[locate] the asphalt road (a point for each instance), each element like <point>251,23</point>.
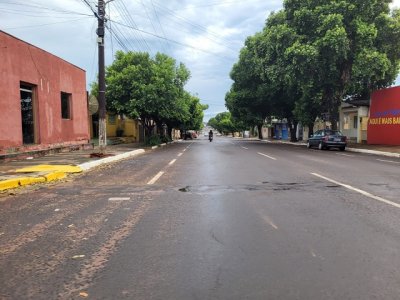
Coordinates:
<point>231,219</point>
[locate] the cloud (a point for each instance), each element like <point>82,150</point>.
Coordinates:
<point>205,35</point>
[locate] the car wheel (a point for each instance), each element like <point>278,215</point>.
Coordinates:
<point>308,145</point>
<point>320,146</point>
<point>342,148</point>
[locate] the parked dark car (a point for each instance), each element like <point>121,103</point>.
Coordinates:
<point>327,138</point>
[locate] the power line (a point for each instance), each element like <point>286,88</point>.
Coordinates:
<point>46,24</point>
<point>118,37</point>
<point>91,8</point>
<point>38,8</point>
<point>126,17</point>
<point>199,28</point>
<point>219,3</point>
<point>151,22</point>
<point>111,39</point>
<point>172,41</point>
<point>158,20</point>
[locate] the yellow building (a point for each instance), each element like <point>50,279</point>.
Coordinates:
<point>117,126</point>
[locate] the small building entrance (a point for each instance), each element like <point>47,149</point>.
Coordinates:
<point>27,115</point>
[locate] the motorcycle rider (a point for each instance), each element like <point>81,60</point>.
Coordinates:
<point>210,135</point>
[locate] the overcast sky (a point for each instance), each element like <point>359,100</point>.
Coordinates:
<point>206,35</point>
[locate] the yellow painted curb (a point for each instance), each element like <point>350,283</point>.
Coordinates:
<point>55,168</point>
<point>9,184</point>
<point>55,176</point>
<point>31,180</point>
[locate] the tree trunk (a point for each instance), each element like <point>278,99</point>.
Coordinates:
<point>169,132</point>
<point>293,131</point>
<point>259,128</point>
<point>310,129</point>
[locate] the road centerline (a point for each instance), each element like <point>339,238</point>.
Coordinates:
<point>270,157</point>
<point>155,178</point>
<point>119,198</point>
<point>172,162</point>
<point>369,195</point>
<point>269,222</point>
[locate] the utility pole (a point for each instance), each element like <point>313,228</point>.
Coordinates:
<point>101,13</point>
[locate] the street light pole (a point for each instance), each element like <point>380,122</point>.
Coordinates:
<point>102,82</point>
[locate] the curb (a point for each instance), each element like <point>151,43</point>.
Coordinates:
<point>374,152</point>
<point>60,172</point>
<point>22,181</point>
<point>92,164</point>
<point>55,176</point>
<point>9,184</point>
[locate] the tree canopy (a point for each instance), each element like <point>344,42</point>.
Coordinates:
<point>225,123</point>
<point>152,90</point>
<point>311,55</point>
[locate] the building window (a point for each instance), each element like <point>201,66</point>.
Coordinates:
<point>355,121</point>
<point>65,105</point>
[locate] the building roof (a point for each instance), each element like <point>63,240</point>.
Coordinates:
<point>357,100</point>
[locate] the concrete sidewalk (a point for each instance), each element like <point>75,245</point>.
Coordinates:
<point>17,173</point>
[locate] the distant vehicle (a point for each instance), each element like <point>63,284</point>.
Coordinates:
<point>187,135</point>
<point>190,135</point>
<point>327,138</point>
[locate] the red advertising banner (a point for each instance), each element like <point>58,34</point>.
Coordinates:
<point>384,119</point>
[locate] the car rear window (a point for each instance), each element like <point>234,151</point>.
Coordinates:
<point>333,132</point>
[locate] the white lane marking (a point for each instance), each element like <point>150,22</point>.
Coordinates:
<point>315,254</point>
<point>245,148</point>
<point>343,154</point>
<point>172,162</point>
<point>184,150</point>
<point>389,161</point>
<point>180,154</point>
<point>119,198</point>
<point>269,221</point>
<point>270,157</point>
<point>232,143</point>
<point>358,191</point>
<point>155,178</point>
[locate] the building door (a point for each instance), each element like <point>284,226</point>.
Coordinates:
<point>28,125</point>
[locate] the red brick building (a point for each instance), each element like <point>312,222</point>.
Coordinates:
<point>43,99</point>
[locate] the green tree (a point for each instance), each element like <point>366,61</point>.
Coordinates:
<point>279,83</point>
<point>248,100</point>
<point>150,89</point>
<point>225,123</point>
<point>342,47</point>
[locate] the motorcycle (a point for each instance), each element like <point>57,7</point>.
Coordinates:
<point>210,137</point>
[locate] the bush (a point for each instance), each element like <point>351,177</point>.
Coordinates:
<point>166,139</point>
<point>153,140</point>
